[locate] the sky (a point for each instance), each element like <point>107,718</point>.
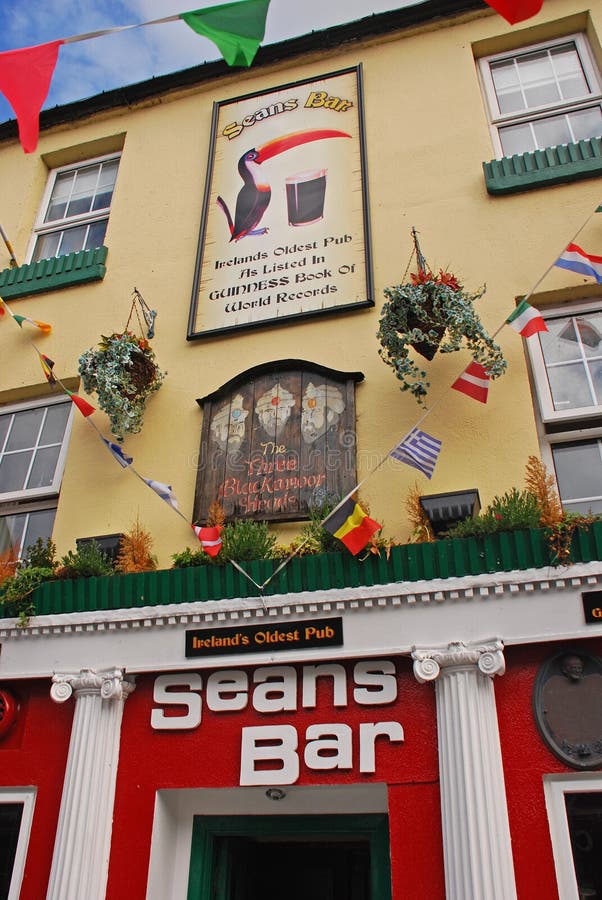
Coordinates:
<point>88,67</point>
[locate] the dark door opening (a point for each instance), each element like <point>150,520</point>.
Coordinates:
<point>296,870</point>
<point>342,857</point>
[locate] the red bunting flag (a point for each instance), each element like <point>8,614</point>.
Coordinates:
<point>210,538</point>
<point>515,11</point>
<point>83,405</point>
<point>474,381</point>
<point>25,77</point>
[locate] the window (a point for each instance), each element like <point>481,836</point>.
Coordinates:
<point>574,805</point>
<point>567,368</point>
<point>543,96</point>
<point>75,209</point>
<point>33,445</point>
<point>16,811</point>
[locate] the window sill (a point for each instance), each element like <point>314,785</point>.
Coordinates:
<point>53,274</point>
<point>554,165</point>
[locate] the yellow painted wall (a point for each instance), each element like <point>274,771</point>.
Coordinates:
<point>426,136</point>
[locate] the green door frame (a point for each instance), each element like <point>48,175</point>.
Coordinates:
<point>205,864</point>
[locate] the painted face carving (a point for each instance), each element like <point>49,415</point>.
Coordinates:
<point>228,424</point>
<point>321,407</point>
<point>273,410</point>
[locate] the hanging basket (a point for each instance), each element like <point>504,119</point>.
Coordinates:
<point>123,372</point>
<point>432,313</point>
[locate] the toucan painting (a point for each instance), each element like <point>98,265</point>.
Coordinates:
<point>254,196</point>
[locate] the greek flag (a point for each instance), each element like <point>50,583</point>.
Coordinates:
<point>163,490</point>
<point>122,458</point>
<point>419,450</point>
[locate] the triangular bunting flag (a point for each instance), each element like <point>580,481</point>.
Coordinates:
<point>526,320</point>
<point>350,524</point>
<point>419,450</point>
<point>236,29</point>
<point>210,538</point>
<point>474,382</point>
<point>515,11</point>
<point>164,491</point>
<point>41,325</point>
<point>120,455</point>
<point>25,77</point>
<point>48,366</point>
<point>577,260</point>
<point>83,405</point>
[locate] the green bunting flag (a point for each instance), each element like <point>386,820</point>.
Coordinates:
<point>236,29</point>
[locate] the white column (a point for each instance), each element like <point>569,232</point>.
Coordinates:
<point>83,839</point>
<point>476,836</point>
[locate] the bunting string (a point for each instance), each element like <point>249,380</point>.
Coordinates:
<point>425,465</point>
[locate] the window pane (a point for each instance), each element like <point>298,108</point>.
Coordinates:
<point>13,471</point>
<point>25,429</point>
<point>44,467</point>
<point>561,342</point>
<point>47,246</point>
<point>586,123</point>
<point>96,234</point>
<point>590,333</point>
<point>73,239</point>
<point>55,424</point>
<point>4,426</point>
<point>569,387</point>
<point>517,139</point>
<point>505,80</point>
<point>83,192</point>
<point>10,823</point>
<point>579,474</point>
<point>569,70</point>
<point>552,131</point>
<point>584,813</point>
<point>106,184</point>
<point>11,532</point>
<point>39,525</point>
<point>60,196</point>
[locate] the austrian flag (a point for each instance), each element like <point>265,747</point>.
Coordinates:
<point>210,538</point>
<point>474,381</point>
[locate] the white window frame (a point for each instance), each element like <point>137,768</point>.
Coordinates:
<point>555,787</point>
<point>579,415</point>
<point>498,120</point>
<point>41,227</point>
<point>48,490</point>
<point>26,796</point>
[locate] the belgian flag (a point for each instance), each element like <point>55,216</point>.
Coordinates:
<point>350,524</point>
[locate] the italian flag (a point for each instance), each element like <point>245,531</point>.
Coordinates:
<point>526,320</point>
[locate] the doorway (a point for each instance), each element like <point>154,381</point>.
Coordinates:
<point>342,857</point>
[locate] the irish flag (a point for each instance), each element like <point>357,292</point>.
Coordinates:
<point>526,320</point>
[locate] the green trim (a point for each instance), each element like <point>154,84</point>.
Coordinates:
<point>503,552</point>
<point>554,165</point>
<point>209,858</point>
<point>53,274</point>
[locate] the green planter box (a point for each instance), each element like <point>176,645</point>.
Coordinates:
<point>503,552</point>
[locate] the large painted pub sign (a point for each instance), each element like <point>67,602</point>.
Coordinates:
<point>284,230</point>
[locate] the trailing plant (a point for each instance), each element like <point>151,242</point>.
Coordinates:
<point>16,591</point>
<point>85,562</point>
<point>135,551</point>
<point>124,374</point>
<point>560,536</point>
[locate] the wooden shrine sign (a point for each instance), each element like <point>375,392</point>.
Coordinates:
<point>276,440</point>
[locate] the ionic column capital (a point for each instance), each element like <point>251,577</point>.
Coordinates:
<point>109,684</point>
<point>430,663</point>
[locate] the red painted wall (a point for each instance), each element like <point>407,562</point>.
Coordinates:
<point>35,753</point>
<point>526,760</point>
<point>209,756</point>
